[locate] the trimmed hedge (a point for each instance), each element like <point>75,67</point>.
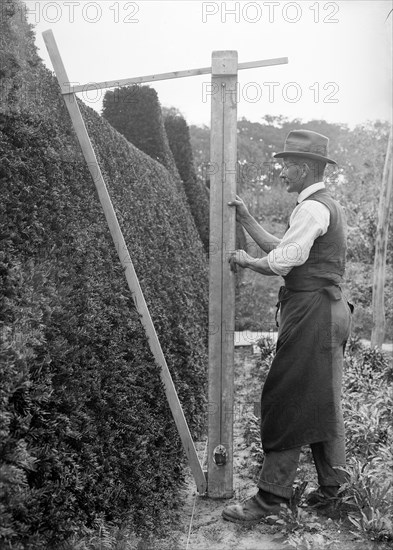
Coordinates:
<point>86,431</point>
<point>178,134</point>
<point>135,112</point>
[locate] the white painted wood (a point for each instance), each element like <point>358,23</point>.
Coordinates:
<point>249,337</point>
<point>263,63</point>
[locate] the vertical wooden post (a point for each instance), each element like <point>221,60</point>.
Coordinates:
<point>125,259</point>
<point>223,159</point>
<point>381,243</point>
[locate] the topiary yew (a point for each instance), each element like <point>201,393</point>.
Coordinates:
<point>86,428</point>
<point>179,141</point>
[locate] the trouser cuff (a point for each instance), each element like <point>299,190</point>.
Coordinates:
<point>279,490</point>
<point>338,477</point>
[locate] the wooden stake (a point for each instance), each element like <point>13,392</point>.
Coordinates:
<point>223,160</point>
<point>125,259</point>
<point>381,243</point>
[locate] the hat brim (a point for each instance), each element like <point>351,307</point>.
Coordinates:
<point>313,156</point>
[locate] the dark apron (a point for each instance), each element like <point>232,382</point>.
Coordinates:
<point>301,398</point>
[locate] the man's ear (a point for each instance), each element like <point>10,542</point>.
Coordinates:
<point>305,169</point>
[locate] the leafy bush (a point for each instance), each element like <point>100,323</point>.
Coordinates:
<point>372,493</point>
<point>135,112</point>
<point>361,237</point>
<point>368,413</point>
<point>179,141</point>
<point>357,286</point>
<point>87,433</point>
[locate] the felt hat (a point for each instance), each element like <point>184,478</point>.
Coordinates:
<point>306,144</point>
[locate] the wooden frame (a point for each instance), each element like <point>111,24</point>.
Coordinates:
<point>222,239</point>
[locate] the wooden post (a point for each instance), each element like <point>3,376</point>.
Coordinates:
<point>381,243</point>
<point>223,166</point>
<point>125,259</point>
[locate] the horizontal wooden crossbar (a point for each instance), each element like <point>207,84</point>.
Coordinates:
<point>66,87</point>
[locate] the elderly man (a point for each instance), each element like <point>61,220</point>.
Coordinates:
<point>301,398</point>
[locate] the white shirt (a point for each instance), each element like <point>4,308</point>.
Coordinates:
<point>309,220</point>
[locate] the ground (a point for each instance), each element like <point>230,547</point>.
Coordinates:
<point>199,524</point>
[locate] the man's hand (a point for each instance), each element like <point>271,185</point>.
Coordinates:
<point>238,258</point>
<point>242,259</point>
<point>241,209</point>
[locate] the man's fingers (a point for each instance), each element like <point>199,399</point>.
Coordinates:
<point>232,263</point>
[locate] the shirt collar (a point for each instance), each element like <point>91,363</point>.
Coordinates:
<point>310,190</point>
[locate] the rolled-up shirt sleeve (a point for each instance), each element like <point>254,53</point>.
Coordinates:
<point>309,220</point>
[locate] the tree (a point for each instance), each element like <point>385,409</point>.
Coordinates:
<point>381,243</point>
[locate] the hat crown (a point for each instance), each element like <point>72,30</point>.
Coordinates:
<point>306,141</point>
<point>306,144</point>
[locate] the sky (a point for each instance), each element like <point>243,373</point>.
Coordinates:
<point>340,53</point>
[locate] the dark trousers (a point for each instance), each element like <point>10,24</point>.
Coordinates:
<point>279,467</point>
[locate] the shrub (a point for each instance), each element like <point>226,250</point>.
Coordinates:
<point>135,112</point>
<point>368,414</point>
<point>179,141</point>
<point>87,434</point>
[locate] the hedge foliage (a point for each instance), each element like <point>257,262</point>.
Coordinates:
<point>86,431</point>
<point>178,134</point>
<point>135,112</point>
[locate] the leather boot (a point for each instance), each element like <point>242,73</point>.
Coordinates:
<point>255,509</point>
<point>323,496</point>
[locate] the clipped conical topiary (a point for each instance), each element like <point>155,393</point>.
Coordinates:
<point>135,112</point>
<point>86,430</point>
<point>178,134</point>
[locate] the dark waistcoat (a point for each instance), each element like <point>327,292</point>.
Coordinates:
<point>326,262</point>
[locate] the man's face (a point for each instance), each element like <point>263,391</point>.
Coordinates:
<point>292,175</point>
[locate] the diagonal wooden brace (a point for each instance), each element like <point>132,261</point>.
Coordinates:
<point>125,259</point>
